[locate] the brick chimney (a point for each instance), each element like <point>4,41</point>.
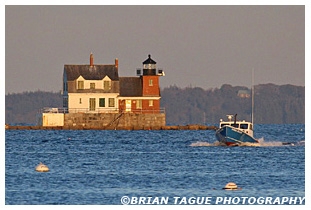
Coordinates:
<point>91,60</point>
<point>116,61</point>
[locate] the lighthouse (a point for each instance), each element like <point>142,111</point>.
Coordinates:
<point>150,78</point>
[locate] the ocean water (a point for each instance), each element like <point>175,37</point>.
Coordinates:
<point>101,167</point>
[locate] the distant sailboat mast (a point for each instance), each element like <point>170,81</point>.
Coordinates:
<point>253,96</point>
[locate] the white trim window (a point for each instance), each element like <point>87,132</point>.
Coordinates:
<point>80,85</point>
<point>139,104</point>
<point>101,102</point>
<point>92,104</point>
<point>107,85</point>
<point>150,82</point>
<point>111,102</point>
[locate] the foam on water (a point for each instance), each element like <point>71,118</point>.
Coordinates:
<point>206,144</point>
<point>264,143</point>
<point>261,143</point>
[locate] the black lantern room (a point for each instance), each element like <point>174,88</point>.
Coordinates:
<point>149,66</point>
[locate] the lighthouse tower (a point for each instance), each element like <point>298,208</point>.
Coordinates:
<point>150,78</point>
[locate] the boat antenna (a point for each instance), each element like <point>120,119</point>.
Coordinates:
<point>235,119</point>
<point>253,97</point>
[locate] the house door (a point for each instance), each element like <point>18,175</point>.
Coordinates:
<point>128,104</point>
<point>92,104</point>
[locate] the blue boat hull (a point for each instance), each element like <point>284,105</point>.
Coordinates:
<point>231,136</point>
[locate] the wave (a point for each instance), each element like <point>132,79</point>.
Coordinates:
<point>264,143</point>
<point>206,144</point>
<point>261,143</point>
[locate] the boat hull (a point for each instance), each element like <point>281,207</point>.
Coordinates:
<point>232,136</point>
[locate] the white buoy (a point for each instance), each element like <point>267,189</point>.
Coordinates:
<point>42,168</point>
<point>231,186</point>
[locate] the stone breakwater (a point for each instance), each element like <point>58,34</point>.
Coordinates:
<point>79,127</point>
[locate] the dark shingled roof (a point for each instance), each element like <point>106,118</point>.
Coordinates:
<point>130,86</point>
<point>149,60</point>
<point>96,72</point>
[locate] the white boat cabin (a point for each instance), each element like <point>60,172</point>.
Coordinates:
<point>244,126</point>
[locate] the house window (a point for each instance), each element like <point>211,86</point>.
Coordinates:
<point>80,100</point>
<point>150,102</point>
<point>139,104</point>
<point>111,102</point>
<point>102,102</point>
<point>107,85</point>
<point>92,85</point>
<point>80,84</point>
<point>150,82</point>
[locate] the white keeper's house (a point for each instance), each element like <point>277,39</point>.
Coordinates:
<point>90,89</point>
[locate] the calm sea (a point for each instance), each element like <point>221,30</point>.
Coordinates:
<point>100,167</point>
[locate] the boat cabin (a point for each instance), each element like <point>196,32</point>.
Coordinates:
<point>242,125</point>
<point>246,127</point>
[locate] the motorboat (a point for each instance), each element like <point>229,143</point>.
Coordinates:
<point>235,133</point>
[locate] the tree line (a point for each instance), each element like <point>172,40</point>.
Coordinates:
<point>274,104</point>
<point>23,108</point>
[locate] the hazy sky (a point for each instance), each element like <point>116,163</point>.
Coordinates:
<point>202,46</point>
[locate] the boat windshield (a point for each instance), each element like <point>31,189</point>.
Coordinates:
<point>239,125</point>
<point>244,126</point>
<point>231,124</point>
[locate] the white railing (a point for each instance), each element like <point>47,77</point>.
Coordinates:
<point>100,110</point>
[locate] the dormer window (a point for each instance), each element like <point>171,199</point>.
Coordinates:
<point>107,85</point>
<point>92,85</point>
<point>80,85</point>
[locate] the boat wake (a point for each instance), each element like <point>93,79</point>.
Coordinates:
<point>206,144</point>
<point>261,143</point>
<point>264,143</point>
